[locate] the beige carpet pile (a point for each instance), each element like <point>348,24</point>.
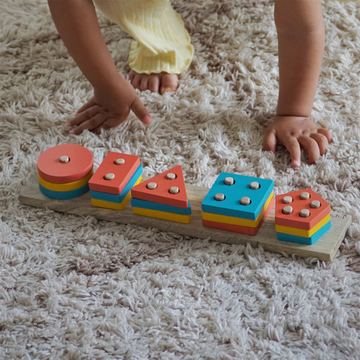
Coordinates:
<point>78,288</point>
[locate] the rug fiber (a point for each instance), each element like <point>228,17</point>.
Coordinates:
<point>78,288</point>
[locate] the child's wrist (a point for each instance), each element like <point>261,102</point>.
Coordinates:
<point>112,81</point>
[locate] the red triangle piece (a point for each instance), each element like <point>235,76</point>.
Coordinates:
<point>161,194</point>
<point>123,173</point>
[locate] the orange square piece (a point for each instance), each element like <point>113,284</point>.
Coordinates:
<point>114,173</point>
<point>294,219</point>
<point>160,191</point>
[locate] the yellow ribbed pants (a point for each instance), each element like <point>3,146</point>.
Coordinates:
<point>161,44</point>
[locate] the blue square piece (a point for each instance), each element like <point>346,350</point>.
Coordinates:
<point>233,193</point>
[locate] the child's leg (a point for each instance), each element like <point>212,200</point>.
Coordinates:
<point>162,45</point>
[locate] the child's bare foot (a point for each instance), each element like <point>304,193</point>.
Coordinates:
<point>162,82</point>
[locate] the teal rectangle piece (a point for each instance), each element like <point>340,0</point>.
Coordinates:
<point>160,207</point>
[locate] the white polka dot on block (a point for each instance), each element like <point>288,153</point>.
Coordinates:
<point>315,204</point>
<point>229,181</point>
<point>219,197</point>
<point>174,190</point>
<point>254,185</point>
<point>304,196</point>
<point>171,176</point>
<point>304,213</point>
<point>109,176</point>
<point>152,185</point>
<point>119,161</point>
<point>245,201</point>
<point>287,210</point>
<point>64,159</point>
<point>287,200</point>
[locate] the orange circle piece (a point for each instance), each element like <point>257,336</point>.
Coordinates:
<point>52,170</point>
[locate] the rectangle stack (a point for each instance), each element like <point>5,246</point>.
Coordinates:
<point>111,184</point>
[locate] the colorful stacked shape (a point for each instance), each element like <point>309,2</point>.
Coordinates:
<point>64,171</point>
<point>301,216</point>
<point>238,203</point>
<point>163,197</point>
<point>111,184</point>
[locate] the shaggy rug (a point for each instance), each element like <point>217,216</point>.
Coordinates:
<point>78,288</point>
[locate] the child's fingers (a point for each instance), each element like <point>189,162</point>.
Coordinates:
<point>326,133</point>
<point>139,109</point>
<point>90,124</point>
<point>311,147</point>
<point>84,116</point>
<point>269,143</point>
<point>105,126</point>
<point>87,105</point>
<point>322,141</point>
<point>293,146</point>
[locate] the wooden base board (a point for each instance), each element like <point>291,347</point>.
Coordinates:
<point>324,249</point>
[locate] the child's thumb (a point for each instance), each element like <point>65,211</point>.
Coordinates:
<point>269,143</point>
<point>139,109</point>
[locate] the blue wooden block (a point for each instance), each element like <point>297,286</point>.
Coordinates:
<point>233,193</point>
<point>64,195</point>
<point>118,198</point>
<point>304,240</point>
<point>160,207</point>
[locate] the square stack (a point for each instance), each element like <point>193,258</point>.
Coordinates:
<point>301,216</point>
<point>111,184</point>
<point>64,171</point>
<point>163,197</point>
<point>238,203</point>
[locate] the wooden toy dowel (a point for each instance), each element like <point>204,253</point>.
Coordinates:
<point>324,249</point>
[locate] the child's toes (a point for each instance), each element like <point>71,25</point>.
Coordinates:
<point>131,75</point>
<point>144,85</point>
<point>154,83</point>
<point>135,82</point>
<point>169,83</point>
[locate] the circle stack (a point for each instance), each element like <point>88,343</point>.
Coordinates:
<point>64,171</point>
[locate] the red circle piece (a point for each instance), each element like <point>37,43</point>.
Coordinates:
<point>51,169</point>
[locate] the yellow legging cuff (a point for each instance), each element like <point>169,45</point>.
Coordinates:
<point>161,44</point>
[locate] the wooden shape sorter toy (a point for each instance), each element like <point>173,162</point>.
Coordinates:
<point>163,197</point>
<point>111,184</point>
<point>238,203</point>
<point>301,216</point>
<point>64,171</point>
<point>323,249</point>
<point>252,213</point>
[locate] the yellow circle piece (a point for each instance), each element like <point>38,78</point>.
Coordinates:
<point>65,187</point>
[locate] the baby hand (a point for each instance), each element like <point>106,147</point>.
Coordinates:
<point>108,108</point>
<point>293,132</point>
